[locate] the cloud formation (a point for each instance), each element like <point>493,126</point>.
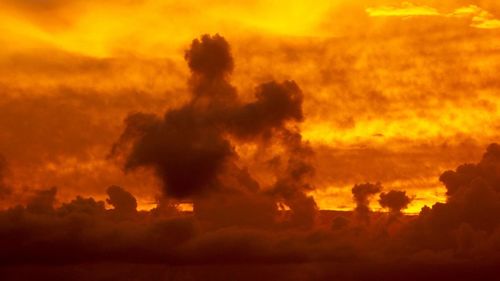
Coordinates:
<point>238,220</point>
<point>376,103</point>
<point>459,236</point>
<point>121,200</point>
<point>394,200</point>
<point>479,18</point>
<point>362,194</point>
<point>192,148</point>
<point>366,129</point>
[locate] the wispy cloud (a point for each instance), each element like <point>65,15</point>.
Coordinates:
<point>480,18</point>
<point>405,10</point>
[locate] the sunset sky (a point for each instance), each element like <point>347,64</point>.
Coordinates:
<point>395,92</point>
<point>386,93</point>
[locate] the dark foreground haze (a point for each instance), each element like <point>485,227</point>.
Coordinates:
<point>248,222</point>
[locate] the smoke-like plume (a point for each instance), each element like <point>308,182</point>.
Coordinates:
<point>123,201</point>
<point>210,58</point>
<point>362,194</point>
<point>394,200</point>
<point>192,147</point>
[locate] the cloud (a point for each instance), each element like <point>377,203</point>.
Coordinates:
<point>43,201</point>
<point>415,109</point>
<point>474,188</point>
<point>394,200</point>
<point>405,10</point>
<point>122,200</point>
<point>210,57</point>
<point>376,107</point>
<point>192,148</point>
<point>480,18</point>
<point>362,194</point>
<point>473,195</point>
<point>238,230</point>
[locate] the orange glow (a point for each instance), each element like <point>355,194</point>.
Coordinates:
<point>381,96</point>
<point>184,207</point>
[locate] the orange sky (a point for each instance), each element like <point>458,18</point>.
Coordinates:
<point>395,91</point>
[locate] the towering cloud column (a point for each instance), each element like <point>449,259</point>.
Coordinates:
<point>191,148</point>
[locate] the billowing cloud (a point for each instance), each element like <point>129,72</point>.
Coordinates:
<point>394,200</point>
<point>190,147</point>
<point>362,194</point>
<point>389,92</point>
<point>449,238</point>
<point>122,200</point>
<point>465,220</point>
<point>366,129</point>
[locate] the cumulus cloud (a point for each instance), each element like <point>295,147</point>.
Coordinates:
<point>473,196</point>
<point>122,200</point>
<point>191,148</point>
<point>95,93</point>
<point>394,200</point>
<point>362,194</point>
<point>453,237</point>
<point>210,57</point>
<point>473,190</point>
<point>194,150</point>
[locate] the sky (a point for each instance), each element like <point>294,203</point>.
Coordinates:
<point>290,107</point>
<point>394,92</point>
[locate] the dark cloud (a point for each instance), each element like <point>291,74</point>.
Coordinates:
<point>276,103</point>
<point>122,200</point>
<point>468,221</point>
<point>43,201</point>
<point>394,200</point>
<point>210,57</point>
<point>186,152</point>
<point>293,183</point>
<point>362,194</point>
<point>474,189</point>
<point>237,229</point>
<point>191,149</point>
<point>87,207</point>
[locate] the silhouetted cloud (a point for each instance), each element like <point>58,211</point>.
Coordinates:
<point>362,194</point>
<point>195,148</point>
<point>43,201</point>
<point>237,228</point>
<point>473,198</point>
<point>122,200</point>
<point>394,200</point>
<point>190,147</point>
<point>210,57</point>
